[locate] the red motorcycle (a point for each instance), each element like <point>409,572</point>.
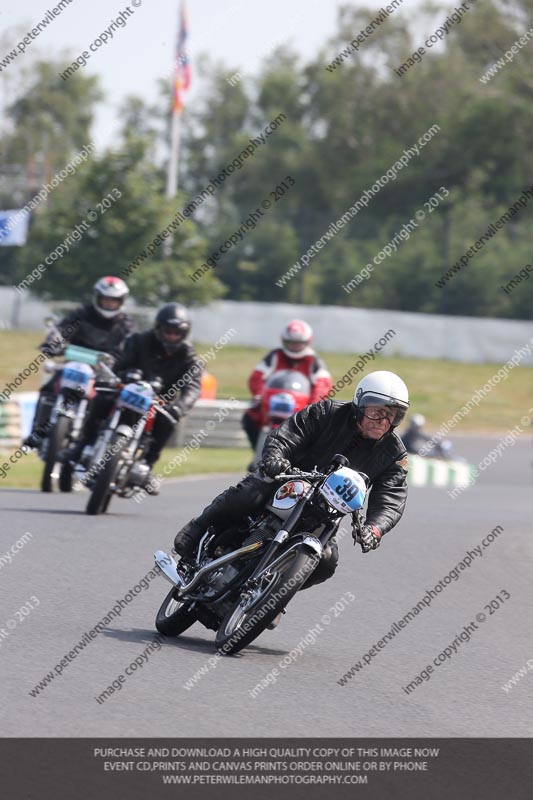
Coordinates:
<point>285,393</point>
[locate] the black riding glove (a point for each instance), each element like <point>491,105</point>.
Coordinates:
<point>274,466</point>
<point>369,538</point>
<point>51,349</point>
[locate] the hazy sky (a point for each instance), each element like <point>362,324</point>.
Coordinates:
<point>238,32</point>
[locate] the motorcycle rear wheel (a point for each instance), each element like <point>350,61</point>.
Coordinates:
<point>174,616</point>
<point>252,614</point>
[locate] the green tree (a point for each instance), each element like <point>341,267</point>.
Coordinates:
<point>127,182</point>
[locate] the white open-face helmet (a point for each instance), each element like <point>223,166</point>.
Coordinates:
<point>296,339</point>
<point>113,289</point>
<point>382,388</point>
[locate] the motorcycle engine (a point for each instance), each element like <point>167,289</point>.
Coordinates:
<point>265,527</point>
<point>219,579</point>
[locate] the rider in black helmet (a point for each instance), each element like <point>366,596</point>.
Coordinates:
<point>166,352</point>
<point>172,324</point>
<point>162,352</point>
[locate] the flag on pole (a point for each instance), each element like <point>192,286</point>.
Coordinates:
<point>182,67</point>
<point>14,227</point>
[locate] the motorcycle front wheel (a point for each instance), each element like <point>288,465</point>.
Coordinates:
<point>58,440</point>
<point>101,493</point>
<point>257,608</point>
<point>174,616</point>
<point>66,478</point>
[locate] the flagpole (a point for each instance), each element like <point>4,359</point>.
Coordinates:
<point>173,162</point>
<point>180,83</point>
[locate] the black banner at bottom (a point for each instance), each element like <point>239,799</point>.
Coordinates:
<point>149,769</point>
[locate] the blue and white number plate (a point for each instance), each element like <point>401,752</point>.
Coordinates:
<point>137,396</point>
<point>345,490</point>
<point>76,375</point>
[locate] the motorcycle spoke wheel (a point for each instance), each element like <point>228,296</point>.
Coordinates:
<point>256,608</point>
<point>175,616</point>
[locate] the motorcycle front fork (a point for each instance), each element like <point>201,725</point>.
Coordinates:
<point>130,451</point>
<point>78,417</point>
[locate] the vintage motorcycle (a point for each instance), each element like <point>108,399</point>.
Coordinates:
<point>114,466</point>
<point>74,391</point>
<point>239,591</point>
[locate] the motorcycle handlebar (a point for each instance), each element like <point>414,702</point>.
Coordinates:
<point>161,410</point>
<point>52,366</point>
<point>103,368</point>
<point>298,473</point>
<point>54,334</point>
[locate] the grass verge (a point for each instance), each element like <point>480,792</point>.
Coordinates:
<point>438,389</point>
<point>26,473</point>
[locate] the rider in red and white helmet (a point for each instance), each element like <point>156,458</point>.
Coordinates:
<point>296,353</point>
<point>296,339</point>
<point>99,325</point>
<point>109,296</point>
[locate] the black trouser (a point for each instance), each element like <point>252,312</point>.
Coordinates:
<point>100,409</point>
<point>251,428</point>
<point>248,496</point>
<point>161,432</point>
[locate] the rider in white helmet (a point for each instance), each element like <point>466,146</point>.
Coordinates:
<point>380,400</point>
<point>99,325</point>
<point>362,430</point>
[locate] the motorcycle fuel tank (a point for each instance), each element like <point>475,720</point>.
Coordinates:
<point>286,497</point>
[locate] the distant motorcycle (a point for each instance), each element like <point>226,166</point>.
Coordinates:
<point>114,465</point>
<point>237,591</point>
<point>74,391</point>
<point>286,392</point>
<point>419,443</point>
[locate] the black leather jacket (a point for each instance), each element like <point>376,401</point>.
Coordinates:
<point>144,351</point>
<point>85,327</point>
<point>315,434</point>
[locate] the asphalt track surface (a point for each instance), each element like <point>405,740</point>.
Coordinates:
<point>79,566</point>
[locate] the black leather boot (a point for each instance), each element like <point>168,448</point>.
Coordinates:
<point>188,538</point>
<point>227,508</point>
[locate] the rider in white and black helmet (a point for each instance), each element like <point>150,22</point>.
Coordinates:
<point>99,325</point>
<point>110,294</point>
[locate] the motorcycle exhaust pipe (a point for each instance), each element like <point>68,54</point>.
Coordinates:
<point>168,566</point>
